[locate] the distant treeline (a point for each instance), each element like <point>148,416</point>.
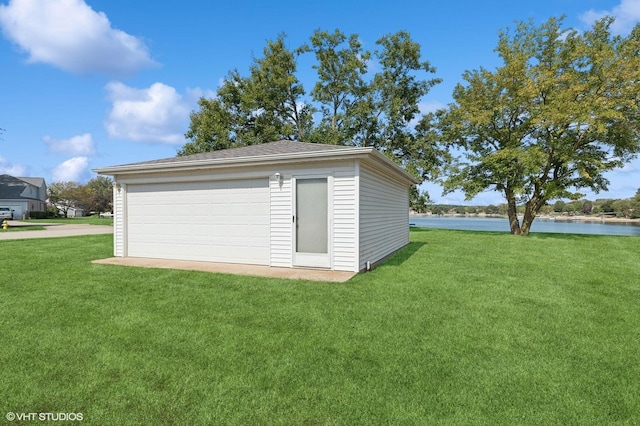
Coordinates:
<point>626,208</point>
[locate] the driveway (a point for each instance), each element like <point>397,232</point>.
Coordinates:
<point>54,230</point>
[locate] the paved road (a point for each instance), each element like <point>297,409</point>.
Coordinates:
<point>54,230</point>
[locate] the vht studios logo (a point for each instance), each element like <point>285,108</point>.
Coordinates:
<point>43,417</point>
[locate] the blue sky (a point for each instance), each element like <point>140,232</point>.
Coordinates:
<point>90,83</point>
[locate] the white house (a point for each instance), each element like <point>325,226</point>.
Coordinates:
<point>285,204</point>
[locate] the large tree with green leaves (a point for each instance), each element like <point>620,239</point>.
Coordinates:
<point>341,66</point>
<point>100,190</point>
<point>394,104</point>
<point>561,110</point>
<point>63,195</point>
<point>263,107</point>
<point>353,106</point>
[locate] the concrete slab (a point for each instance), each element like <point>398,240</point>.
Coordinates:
<point>230,268</point>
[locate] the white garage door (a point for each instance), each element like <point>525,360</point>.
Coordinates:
<point>226,221</point>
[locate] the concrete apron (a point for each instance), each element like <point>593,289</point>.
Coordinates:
<point>231,268</point>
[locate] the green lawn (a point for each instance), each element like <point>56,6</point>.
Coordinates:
<point>31,227</point>
<point>458,328</point>
<point>91,220</point>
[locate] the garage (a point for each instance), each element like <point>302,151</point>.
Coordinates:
<point>283,204</point>
<point>222,221</point>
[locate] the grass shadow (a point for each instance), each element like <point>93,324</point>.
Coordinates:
<point>404,254</point>
<point>569,237</point>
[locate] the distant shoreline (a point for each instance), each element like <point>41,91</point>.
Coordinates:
<point>558,218</point>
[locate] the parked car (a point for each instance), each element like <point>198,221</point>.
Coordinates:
<point>6,213</point>
<point>106,214</point>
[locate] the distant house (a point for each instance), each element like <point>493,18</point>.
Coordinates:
<point>23,195</point>
<point>70,210</point>
<point>283,204</point>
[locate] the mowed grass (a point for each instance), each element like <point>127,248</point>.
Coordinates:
<point>22,228</point>
<point>90,220</point>
<point>458,328</point>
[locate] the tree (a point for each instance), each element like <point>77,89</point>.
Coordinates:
<point>558,206</point>
<point>100,190</point>
<point>63,195</point>
<point>606,206</point>
<point>263,107</point>
<point>340,87</point>
<point>95,196</point>
<point>419,200</point>
<point>491,209</point>
<point>635,206</point>
<point>561,110</point>
<point>356,108</point>
<point>277,93</point>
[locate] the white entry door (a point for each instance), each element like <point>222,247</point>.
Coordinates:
<point>311,219</point>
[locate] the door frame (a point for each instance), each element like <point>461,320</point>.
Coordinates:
<point>312,260</point>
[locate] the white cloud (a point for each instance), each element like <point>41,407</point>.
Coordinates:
<point>627,14</point>
<point>12,169</point>
<point>74,169</point>
<point>155,114</point>
<point>76,145</point>
<point>70,35</point>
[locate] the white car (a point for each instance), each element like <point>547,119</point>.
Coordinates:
<point>106,214</point>
<point>6,213</point>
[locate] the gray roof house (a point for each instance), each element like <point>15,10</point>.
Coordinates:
<point>281,204</point>
<point>23,194</point>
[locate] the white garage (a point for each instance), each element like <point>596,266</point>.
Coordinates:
<point>282,204</point>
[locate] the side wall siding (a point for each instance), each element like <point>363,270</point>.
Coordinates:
<point>384,216</point>
<point>345,222</point>
<point>118,220</point>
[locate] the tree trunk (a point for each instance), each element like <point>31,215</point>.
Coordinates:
<point>513,213</point>
<point>531,211</point>
<point>527,220</point>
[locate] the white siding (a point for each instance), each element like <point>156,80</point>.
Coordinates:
<point>118,220</point>
<point>345,222</point>
<point>281,223</point>
<point>343,218</point>
<point>384,216</point>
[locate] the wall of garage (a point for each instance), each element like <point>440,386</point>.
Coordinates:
<point>236,215</point>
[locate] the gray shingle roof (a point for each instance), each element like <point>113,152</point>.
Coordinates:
<point>39,182</point>
<point>11,188</point>
<point>270,148</point>
<point>278,151</point>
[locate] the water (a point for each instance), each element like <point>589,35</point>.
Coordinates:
<point>539,225</point>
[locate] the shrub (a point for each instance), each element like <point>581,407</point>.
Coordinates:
<point>41,215</point>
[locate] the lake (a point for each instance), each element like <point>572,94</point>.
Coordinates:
<point>539,225</point>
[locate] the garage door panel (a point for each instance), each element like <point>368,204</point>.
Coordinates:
<point>209,221</point>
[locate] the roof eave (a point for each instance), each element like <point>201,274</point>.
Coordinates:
<point>341,154</point>
<point>381,158</point>
<point>230,162</point>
